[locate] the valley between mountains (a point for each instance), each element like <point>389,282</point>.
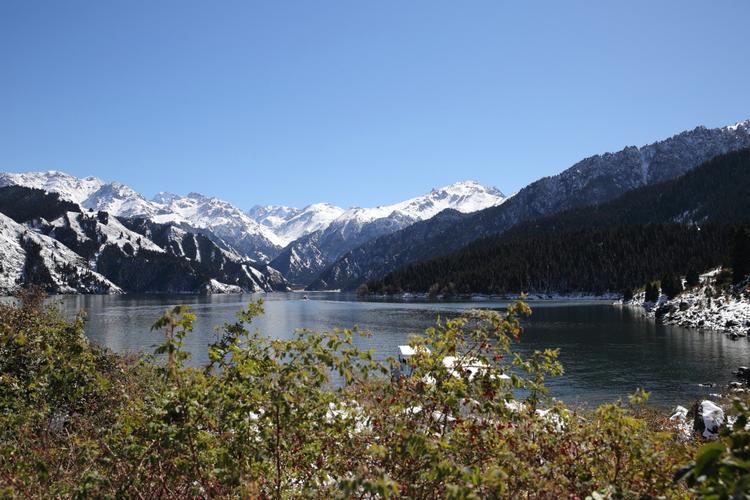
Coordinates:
<point>88,235</point>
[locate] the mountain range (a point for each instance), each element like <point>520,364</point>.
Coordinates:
<point>672,227</point>
<point>591,181</point>
<point>56,244</point>
<point>320,246</point>
<point>281,235</point>
<point>305,258</point>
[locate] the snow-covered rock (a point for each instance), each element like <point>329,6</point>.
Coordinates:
<point>704,307</point>
<point>680,422</point>
<point>709,418</point>
<point>216,287</point>
<point>679,413</point>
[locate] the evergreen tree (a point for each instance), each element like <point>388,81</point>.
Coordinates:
<point>652,292</point>
<point>692,279</point>
<point>671,286</point>
<point>741,255</point>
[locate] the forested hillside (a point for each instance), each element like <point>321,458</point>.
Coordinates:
<point>682,225</point>
<point>594,180</point>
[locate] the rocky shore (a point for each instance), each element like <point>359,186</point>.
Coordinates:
<point>707,306</point>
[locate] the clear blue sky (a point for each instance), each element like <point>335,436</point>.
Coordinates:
<point>356,102</point>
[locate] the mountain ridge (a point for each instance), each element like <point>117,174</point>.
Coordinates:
<point>54,243</point>
<point>263,232</point>
<point>674,226</point>
<point>593,180</point>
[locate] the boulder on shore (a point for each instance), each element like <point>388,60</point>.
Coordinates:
<point>708,419</point>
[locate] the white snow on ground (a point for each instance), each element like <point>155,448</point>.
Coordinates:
<point>53,253</point>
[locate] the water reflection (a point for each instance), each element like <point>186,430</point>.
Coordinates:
<point>607,351</point>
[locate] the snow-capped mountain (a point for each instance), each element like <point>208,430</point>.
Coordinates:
<point>290,224</point>
<point>67,186</point>
<point>192,212</point>
<point>465,196</point>
<point>302,260</point>
<point>591,181</point>
<point>29,257</point>
<point>54,243</point>
<point>232,225</point>
<point>272,215</point>
<point>90,192</point>
<point>262,232</point>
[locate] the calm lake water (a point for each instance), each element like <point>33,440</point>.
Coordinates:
<point>607,351</point>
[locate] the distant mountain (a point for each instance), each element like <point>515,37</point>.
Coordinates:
<point>667,228</point>
<point>301,242</point>
<point>290,224</point>
<point>591,181</point>
<point>90,193</point>
<point>304,259</point>
<point>272,216</point>
<point>232,225</point>
<point>54,243</point>
<point>193,212</point>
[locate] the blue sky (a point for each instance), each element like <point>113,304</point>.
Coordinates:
<point>355,102</point>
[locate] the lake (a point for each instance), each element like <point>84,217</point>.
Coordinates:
<point>607,351</point>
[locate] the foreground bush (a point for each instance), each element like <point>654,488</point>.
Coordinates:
<point>313,416</point>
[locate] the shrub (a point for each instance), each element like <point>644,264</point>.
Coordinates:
<point>310,416</point>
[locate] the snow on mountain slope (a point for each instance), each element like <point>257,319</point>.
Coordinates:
<point>120,200</point>
<point>69,187</point>
<point>310,219</point>
<point>194,211</point>
<point>111,232</point>
<point>272,215</point>
<point>290,223</point>
<point>90,192</point>
<point>226,221</point>
<point>465,196</point>
<point>261,233</point>
<point>29,256</point>
<point>303,259</point>
<point>593,180</point>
